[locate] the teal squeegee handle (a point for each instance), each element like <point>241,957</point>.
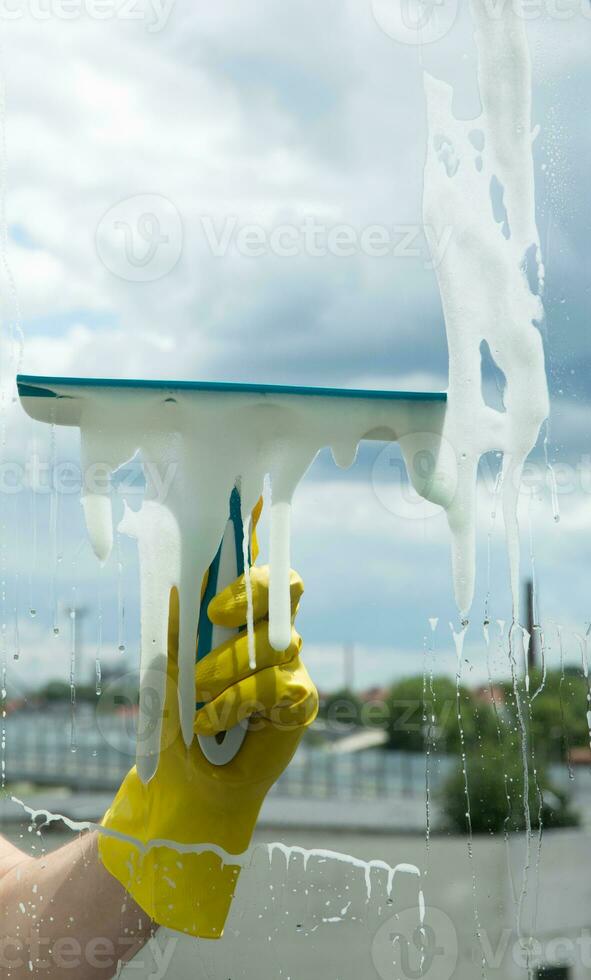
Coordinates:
<point>227,565</point>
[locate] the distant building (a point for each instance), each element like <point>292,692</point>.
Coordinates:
<point>580,756</point>
<point>374,694</point>
<point>487,694</point>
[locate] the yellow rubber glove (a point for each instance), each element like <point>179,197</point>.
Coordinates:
<point>190,801</point>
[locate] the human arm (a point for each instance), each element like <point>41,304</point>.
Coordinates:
<point>79,914</point>
<point>64,914</point>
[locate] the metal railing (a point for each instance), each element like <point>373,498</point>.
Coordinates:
<point>43,752</point>
<point>40,750</point>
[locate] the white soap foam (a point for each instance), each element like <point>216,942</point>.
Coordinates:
<point>199,446</point>
<point>243,859</point>
<point>490,279</point>
<point>322,854</point>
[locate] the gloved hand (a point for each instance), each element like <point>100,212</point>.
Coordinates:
<point>190,801</point>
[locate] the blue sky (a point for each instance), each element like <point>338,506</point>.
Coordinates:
<point>269,114</point>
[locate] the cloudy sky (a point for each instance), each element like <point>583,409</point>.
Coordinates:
<point>156,155</point>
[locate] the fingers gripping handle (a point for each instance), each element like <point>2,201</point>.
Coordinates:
<point>227,565</point>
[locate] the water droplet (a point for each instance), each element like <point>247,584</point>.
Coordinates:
<point>32,613</point>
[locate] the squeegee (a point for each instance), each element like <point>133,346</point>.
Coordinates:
<point>218,440</point>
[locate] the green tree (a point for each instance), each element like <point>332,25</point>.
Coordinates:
<point>55,691</point>
<point>559,713</point>
<point>497,793</point>
<point>412,707</point>
<point>341,708</point>
<point>59,691</point>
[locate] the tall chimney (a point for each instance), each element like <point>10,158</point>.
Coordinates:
<point>531,625</point>
<point>349,666</point>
